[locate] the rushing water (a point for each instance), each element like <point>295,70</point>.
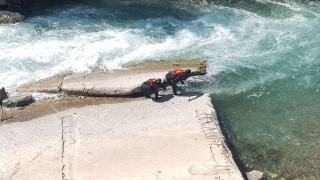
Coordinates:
<point>263,64</point>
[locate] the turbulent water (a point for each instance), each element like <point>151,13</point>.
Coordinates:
<point>263,64</point>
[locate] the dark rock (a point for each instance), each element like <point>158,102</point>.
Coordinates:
<point>3,94</point>
<point>18,101</point>
<point>256,175</point>
<point>3,2</point>
<point>10,17</point>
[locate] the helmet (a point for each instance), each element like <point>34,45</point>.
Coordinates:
<point>188,71</point>
<point>159,80</point>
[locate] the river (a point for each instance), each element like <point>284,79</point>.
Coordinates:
<point>262,62</point>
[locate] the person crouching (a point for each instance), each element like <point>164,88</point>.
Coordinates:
<point>175,76</point>
<point>152,86</point>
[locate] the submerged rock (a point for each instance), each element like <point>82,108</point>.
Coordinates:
<point>10,17</point>
<point>256,175</point>
<point>18,101</point>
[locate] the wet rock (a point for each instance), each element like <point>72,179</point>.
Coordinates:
<point>3,2</point>
<point>10,17</point>
<point>18,101</point>
<point>3,94</point>
<point>256,175</point>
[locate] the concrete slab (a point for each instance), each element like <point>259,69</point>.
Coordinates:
<point>144,139</point>
<point>122,82</point>
<point>51,85</point>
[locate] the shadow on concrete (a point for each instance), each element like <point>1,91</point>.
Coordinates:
<point>164,98</point>
<point>192,95</point>
<point>167,97</point>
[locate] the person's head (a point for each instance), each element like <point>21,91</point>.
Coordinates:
<point>187,71</point>
<point>159,80</point>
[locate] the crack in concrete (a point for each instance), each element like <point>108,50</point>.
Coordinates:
<point>60,87</point>
<point>62,153</point>
<point>70,143</point>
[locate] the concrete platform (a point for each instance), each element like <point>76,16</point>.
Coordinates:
<point>177,138</point>
<point>122,82</point>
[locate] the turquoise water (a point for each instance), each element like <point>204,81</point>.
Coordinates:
<point>263,64</point>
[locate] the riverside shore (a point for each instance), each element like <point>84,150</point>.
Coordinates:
<point>126,137</point>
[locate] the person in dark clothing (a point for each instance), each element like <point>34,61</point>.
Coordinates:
<point>175,76</point>
<point>152,86</point>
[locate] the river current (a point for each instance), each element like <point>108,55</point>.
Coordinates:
<point>263,62</point>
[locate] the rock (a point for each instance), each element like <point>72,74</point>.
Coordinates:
<point>3,2</point>
<point>10,17</point>
<point>256,175</point>
<point>3,94</point>
<point>18,101</point>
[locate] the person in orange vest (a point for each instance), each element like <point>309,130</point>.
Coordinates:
<point>152,86</point>
<point>175,76</point>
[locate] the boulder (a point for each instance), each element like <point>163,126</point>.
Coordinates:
<point>3,94</point>
<point>18,101</point>
<point>10,17</point>
<point>256,175</point>
<point>3,2</point>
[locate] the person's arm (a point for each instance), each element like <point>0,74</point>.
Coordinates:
<point>186,76</point>
<point>179,78</point>
<point>161,85</point>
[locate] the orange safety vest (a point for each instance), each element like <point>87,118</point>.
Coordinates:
<point>176,72</point>
<point>153,82</point>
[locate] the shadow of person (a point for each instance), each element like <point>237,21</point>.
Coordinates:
<point>192,95</point>
<point>164,98</point>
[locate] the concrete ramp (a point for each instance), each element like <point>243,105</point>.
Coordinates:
<point>177,138</point>
<point>122,82</point>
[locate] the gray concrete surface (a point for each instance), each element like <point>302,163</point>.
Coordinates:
<point>108,83</point>
<point>177,138</point>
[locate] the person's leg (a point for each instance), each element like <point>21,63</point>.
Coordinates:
<point>172,84</point>
<point>174,88</point>
<point>156,94</point>
<point>146,94</point>
<point>145,88</point>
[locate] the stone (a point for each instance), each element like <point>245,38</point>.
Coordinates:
<point>10,17</point>
<point>3,2</point>
<point>3,94</point>
<point>18,101</point>
<point>256,175</point>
